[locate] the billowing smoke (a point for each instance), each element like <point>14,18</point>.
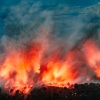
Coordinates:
<point>52,46</point>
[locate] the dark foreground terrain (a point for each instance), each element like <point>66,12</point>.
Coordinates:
<point>79,92</point>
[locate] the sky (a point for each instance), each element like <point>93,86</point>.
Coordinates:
<point>5,7</point>
<point>66,18</point>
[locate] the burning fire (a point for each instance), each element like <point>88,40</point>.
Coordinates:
<point>92,55</point>
<point>40,63</point>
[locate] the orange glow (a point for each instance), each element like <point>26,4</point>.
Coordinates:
<point>57,73</point>
<point>92,55</point>
<point>20,66</point>
<point>22,70</point>
<point>42,62</point>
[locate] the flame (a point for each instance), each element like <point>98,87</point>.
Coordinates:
<point>41,63</point>
<point>92,55</point>
<point>19,68</point>
<point>57,73</point>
